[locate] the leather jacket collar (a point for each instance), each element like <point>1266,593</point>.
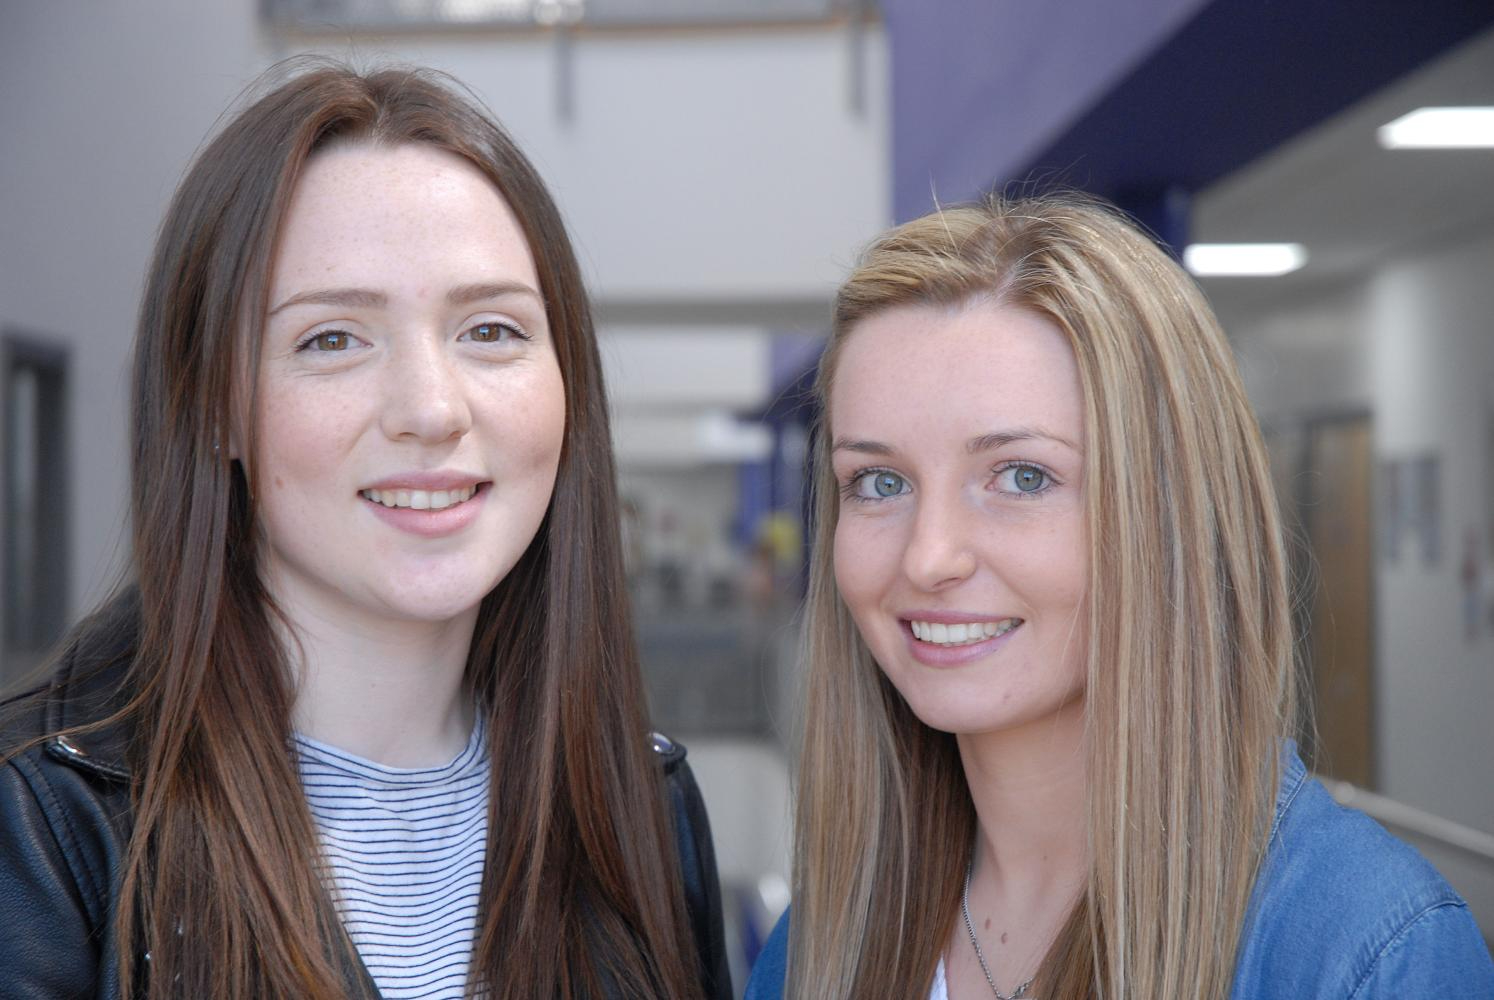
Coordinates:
<point>89,688</point>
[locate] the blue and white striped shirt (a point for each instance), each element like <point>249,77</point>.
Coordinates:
<point>404,848</point>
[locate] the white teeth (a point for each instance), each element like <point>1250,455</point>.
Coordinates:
<point>962,634</point>
<point>421,499</point>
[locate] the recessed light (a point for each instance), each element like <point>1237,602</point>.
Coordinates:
<point>1440,128</point>
<point>1210,260</point>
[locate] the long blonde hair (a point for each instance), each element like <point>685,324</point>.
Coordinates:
<point>1189,631</point>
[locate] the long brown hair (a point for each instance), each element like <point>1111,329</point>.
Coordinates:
<point>1189,636</point>
<point>580,889</point>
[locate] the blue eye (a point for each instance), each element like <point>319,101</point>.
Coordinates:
<point>1024,478</point>
<point>877,484</point>
<point>1028,478</point>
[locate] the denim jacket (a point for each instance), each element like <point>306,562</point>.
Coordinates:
<point>1341,910</point>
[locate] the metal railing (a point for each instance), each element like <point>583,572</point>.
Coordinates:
<point>1418,823</point>
<point>382,15</point>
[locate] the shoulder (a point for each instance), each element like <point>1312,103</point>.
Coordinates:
<point>697,859</point>
<point>669,753</point>
<point>65,795</point>
<point>1339,900</point>
<point>88,683</point>
<point>768,972</point>
<point>64,823</point>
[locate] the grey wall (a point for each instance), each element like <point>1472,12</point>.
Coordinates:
<point>103,104</point>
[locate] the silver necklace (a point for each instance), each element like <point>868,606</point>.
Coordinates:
<point>1020,991</point>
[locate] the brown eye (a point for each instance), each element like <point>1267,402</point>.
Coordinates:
<point>492,333</point>
<point>332,340</point>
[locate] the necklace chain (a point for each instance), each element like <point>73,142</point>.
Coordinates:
<point>980,956</point>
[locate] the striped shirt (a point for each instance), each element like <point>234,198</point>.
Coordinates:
<point>404,850</point>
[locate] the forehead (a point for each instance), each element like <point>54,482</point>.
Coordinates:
<point>356,206</point>
<point>977,368</point>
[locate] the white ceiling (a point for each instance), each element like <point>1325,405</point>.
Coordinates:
<point>1351,203</point>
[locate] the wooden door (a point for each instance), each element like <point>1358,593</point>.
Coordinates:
<point>1337,513</point>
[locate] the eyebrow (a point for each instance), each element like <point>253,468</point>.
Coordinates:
<point>368,298</point>
<point>997,439</point>
<point>463,295</point>
<point>864,447</point>
<point>974,446</point>
<point>351,298</point>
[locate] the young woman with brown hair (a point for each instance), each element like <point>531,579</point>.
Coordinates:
<point>369,719</point>
<point>1050,655</point>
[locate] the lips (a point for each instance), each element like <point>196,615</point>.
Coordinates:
<point>427,504</point>
<point>965,633</point>
<point>420,499</point>
<point>956,638</point>
<point>960,633</point>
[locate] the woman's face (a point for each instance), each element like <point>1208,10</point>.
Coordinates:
<point>961,548</point>
<point>410,407</point>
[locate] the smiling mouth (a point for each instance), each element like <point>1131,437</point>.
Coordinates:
<point>940,634</point>
<point>421,499</point>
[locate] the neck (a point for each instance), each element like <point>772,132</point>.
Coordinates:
<point>390,691</point>
<point>1031,851</point>
<point>1029,790</point>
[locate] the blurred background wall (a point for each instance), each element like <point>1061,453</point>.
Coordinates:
<point>720,163</point>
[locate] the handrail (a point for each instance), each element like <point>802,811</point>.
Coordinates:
<point>536,16</point>
<point>1418,822</point>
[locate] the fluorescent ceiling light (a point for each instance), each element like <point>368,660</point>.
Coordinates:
<point>1208,260</point>
<point>1440,128</point>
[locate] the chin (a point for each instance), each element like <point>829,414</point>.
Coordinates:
<point>953,708</point>
<point>958,719</point>
<point>443,600</point>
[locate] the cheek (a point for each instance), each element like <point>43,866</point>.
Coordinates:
<point>532,420</point>
<point>867,557</point>
<point>299,439</point>
<point>1048,562</point>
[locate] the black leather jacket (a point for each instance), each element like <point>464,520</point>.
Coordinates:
<point>65,823</point>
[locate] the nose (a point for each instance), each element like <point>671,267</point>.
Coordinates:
<point>940,552</point>
<point>424,397</point>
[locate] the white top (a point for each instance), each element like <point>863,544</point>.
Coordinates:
<point>405,851</point>
<point>940,990</point>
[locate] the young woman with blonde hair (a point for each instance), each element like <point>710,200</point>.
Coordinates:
<point>368,721</point>
<point>1050,655</point>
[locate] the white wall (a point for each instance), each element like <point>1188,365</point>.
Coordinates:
<point>696,167</point>
<point>1412,342</point>
<point>696,164</point>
